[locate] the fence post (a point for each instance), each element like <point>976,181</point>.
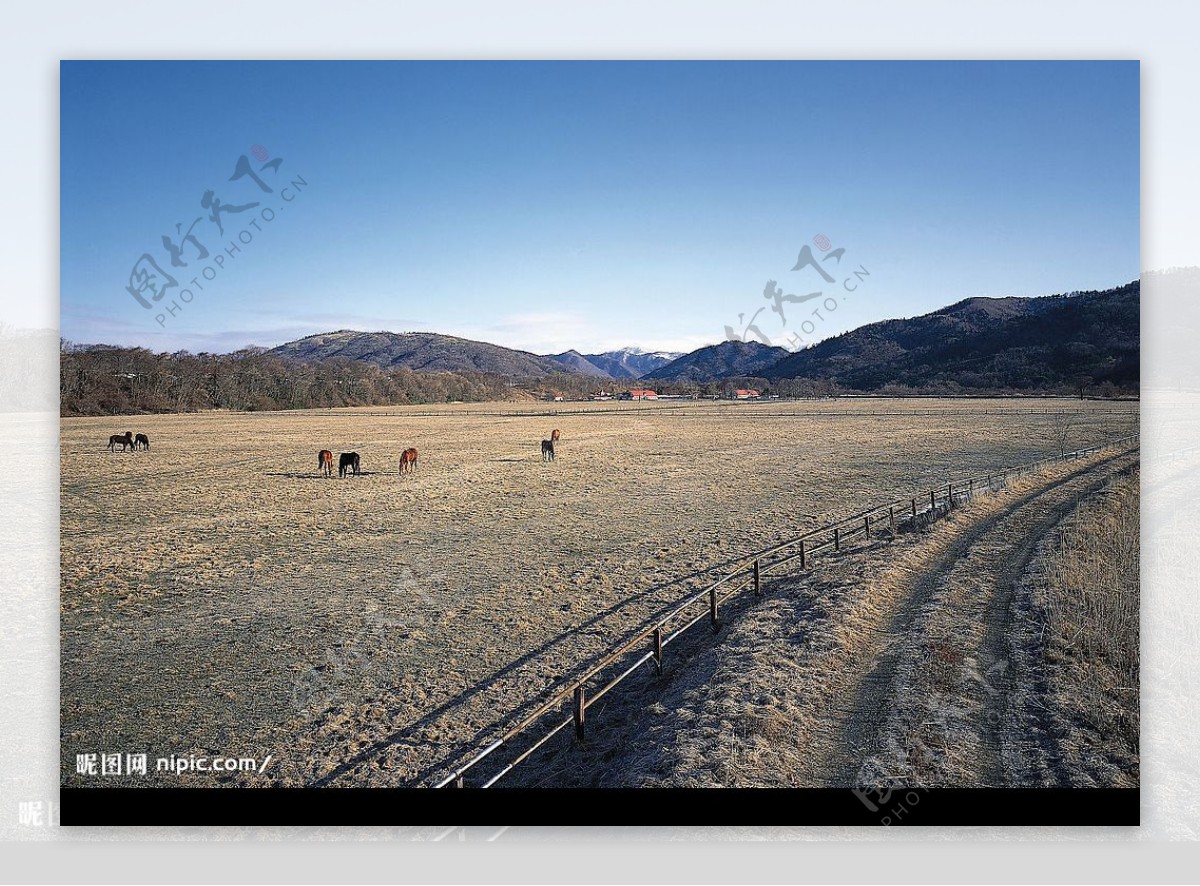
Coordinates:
<point>867,526</point>
<point>712,609</point>
<point>932,503</point>
<point>892,519</point>
<point>914,504</point>
<point>658,650</point>
<point>458,782</point>
<point>757,580</point>
<point>949,496</point>
<point>579,709</point>
<point>837,538</point>
<point>971,487</point>
<point>803,563</point>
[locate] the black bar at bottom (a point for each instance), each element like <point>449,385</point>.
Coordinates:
<point>602,806</point>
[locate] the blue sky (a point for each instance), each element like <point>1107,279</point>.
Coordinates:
<point>590,205</point>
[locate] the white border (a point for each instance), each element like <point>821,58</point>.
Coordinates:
<point>35,37</point>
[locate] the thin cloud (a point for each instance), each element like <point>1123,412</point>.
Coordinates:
<point>549,332</point>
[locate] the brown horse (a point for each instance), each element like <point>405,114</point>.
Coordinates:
<point>554,435</point>
<point>325,462</point>
<point>126,440</point>
<point>141,441</point>
<point>408,461</point>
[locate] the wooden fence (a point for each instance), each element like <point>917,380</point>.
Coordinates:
<point>705,605</point>
<point>743,409</point>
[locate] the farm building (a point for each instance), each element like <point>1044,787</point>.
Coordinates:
<point>747,394</point>
<point>639,394</point>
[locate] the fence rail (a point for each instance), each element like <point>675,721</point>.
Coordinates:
<point>706,603</point>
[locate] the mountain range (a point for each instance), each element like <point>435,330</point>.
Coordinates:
<point>632,362</point>
<point>419,351</point>
<point>433,352</point>
<point>1016,344</point>
<point>629,363</point>
<point>729,359</point>
<point>1023,344</point>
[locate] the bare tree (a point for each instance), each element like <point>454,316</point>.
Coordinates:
<point>1061,428</point>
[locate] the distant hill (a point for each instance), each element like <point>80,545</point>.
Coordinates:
<point>573,361</point>
<point>424,351</point>
<point>1174,362</point>
<point>1054,343</point>
<point>631,362</point>
<point>729,359</point>
<point>28,364</point>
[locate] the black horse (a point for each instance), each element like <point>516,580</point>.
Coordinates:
<point>125,440</point>
<point>141,441</point>
<point>547,450</point>
<point>348,460</point>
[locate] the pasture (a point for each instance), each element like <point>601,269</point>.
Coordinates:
<point>221,596</point>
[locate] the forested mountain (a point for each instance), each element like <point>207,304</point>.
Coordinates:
<point>426,351</point>
<point>728,359</point>
<point>573,361</point>
<point>1060,343</point>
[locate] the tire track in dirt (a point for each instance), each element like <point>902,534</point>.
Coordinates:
<point>872,718</point>
<point>1016,727</point>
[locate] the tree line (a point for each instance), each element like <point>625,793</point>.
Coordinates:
<point>106,380</point>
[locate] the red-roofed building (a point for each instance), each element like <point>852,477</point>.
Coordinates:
<point>748,394</point>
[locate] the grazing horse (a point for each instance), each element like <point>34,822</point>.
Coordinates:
<point>547,450</point>
<point>126,440</point>
<point>408,461</point>
<point>554,435</point>
<point>141,441</point>
<point>325,462</point>
<point>348,460</point>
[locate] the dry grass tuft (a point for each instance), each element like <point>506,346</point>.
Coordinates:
<point>1086,609</point>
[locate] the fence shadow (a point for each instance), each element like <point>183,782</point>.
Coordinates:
<point>465,745</point>
<point>566,762</point>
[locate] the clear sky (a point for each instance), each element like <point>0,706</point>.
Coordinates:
<point>587,205</point>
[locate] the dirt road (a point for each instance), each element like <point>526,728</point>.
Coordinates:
<point>931,709</point>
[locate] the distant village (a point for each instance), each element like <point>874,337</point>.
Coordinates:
<point>651,394</point>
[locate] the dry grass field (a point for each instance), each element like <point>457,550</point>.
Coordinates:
<point>220,597</point>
